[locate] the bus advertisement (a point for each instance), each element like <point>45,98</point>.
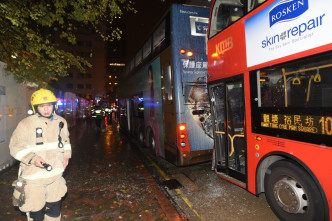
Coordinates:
<point>270,86</point>
<point>163,97</point>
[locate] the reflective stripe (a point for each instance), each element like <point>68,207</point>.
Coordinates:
<point>43,174</point>
<point>67,147</point>
<point>36,148</point>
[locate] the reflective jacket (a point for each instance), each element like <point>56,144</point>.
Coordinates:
<point>25,145</point>
<point>98,113</point>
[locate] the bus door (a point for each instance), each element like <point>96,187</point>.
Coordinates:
<point>169,114</point>
<point>227,107</point>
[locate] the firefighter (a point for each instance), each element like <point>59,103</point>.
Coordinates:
<point>41,143</point>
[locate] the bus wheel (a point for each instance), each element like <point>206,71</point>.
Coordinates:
<point>292,193</point>
<point>152,143</point>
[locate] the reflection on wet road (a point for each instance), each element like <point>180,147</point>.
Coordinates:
<point>106,181</point>
<point>110,177</point>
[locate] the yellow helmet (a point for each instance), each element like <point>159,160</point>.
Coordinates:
<point>42,96</point>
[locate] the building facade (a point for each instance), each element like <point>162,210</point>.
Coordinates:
<point>90,84</point>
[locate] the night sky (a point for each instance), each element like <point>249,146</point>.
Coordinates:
<point>138,26</point>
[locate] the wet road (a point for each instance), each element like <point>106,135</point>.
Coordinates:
<point>106,181</point>
<point>112,178</point>
<point>204,196</point>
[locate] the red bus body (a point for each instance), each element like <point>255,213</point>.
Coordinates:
<point>228,63</point>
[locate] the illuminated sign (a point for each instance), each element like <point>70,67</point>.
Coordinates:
<point>117,64</point>
<point>298,123</point>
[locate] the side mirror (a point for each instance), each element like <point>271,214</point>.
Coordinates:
<point>198,112</point>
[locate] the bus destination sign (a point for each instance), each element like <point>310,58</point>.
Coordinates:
<point>299,123</point>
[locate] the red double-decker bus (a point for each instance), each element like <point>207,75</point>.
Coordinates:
<point>270,89</point>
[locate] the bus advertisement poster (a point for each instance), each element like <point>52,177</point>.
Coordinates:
<point>287,27</point>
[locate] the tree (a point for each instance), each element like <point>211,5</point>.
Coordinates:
<point>28,29</point>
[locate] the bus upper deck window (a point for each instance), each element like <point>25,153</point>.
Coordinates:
<point>224,13</point>
<point>254,3</point>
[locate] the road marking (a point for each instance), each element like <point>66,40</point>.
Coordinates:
<point>178,191</point>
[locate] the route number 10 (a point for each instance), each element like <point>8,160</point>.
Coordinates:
<point>326,123</point>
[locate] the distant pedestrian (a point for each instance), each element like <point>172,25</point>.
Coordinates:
<point>99,116</point>
<point>41,143</point>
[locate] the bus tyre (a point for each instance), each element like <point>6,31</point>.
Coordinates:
<point>152,143</point>
<point>292,193</point>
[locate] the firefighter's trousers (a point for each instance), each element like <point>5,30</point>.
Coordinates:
<point>39,193</point>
